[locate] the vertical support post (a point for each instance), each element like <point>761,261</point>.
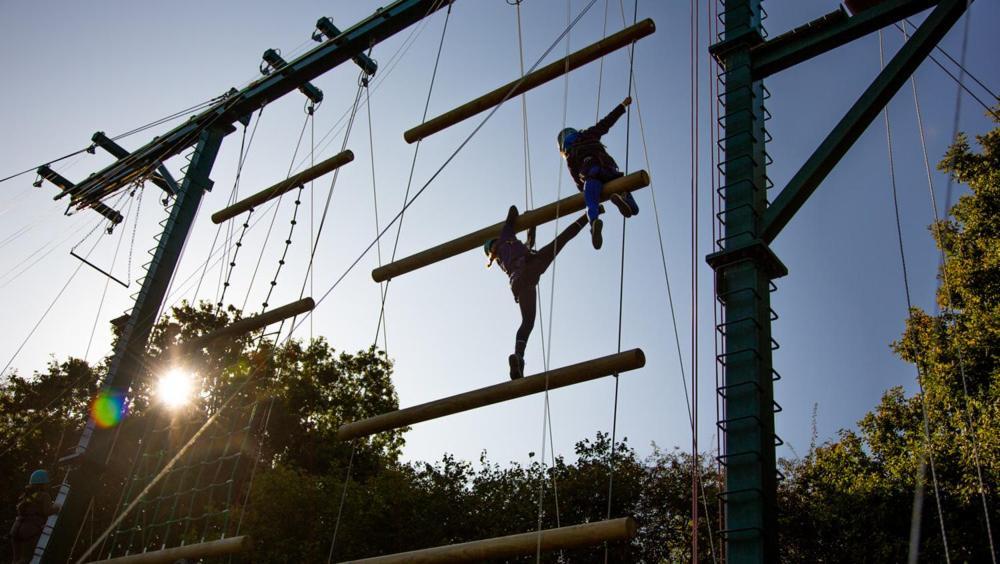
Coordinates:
<point>744,269</point>
<point>83,480</point>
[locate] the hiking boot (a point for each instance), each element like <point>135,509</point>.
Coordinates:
<point>516,366</point>
<point>623,206</point>
<point>630,199</point>
<point>595,233</point>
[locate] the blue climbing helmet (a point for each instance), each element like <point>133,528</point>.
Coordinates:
<point>488,245</point>
<point>38,477</point>
<point>566,138</point>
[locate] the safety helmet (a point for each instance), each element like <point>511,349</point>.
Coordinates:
<point>488,245</point>
<point>38,477</point>
<point>566,137</point>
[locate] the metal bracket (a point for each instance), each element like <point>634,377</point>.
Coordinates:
<point>757,251</point>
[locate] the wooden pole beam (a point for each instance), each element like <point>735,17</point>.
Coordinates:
<point>532,218</point>
<point>573,536</point>
<point>532,80</point>
<point>252,323</point>
<point>286,185</point>
<point>223,547</point>
<point>558,378</point>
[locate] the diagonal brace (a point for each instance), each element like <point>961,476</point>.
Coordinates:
<point>797,46</point>
<point>859,117</point>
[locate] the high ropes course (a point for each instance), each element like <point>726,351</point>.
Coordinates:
<point>188,487</point>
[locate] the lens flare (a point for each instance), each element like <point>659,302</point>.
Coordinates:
<point>108,408</point>
<point>175,388</point>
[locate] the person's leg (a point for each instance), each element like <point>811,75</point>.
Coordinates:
<point>525,299</point>
<point>543,258</point>
<point>23,550</point>
<point>592,187</point>
<point>625,203</point>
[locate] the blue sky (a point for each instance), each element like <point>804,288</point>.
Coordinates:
<point>111,66</point>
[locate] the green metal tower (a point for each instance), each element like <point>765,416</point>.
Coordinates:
<point>746,266</point>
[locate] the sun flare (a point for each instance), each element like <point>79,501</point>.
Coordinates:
<point>175,388</point>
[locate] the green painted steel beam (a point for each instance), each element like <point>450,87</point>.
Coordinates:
<point>743,270</point>
<point>83,480</point>
<point>238,104</point>
<point>860,116</point>
<point>801,45</point>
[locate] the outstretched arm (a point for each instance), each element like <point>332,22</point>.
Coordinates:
<point>609,120</point>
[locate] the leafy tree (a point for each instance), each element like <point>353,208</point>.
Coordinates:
<point>850,499</point>
<point>280,403</point>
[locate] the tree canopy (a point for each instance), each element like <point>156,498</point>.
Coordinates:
<point>292,486</point>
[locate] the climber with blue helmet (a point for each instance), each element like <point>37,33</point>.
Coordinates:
<point>525,266</point>
<point>591,166</point>
<point>33,509</point>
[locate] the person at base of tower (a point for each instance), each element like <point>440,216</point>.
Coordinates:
<point>33,509</point>
<point>591,166</point>
<point>525,266</point>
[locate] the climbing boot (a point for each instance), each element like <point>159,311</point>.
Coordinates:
<point>595,233</point>
<point>516,366</point>
<point>623,205</point>
<point>630,200</point>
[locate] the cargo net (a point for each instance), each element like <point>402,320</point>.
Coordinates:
<point>178,493</point>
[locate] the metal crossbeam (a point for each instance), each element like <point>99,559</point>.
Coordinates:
<point>161,177</point>
<point>860,116</point>
<point>238,104</point>
<point>785,51</point>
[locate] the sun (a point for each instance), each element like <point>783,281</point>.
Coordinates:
<point>175,388</point>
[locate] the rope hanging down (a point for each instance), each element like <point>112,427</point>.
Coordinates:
<point>944,270</point>
<point>385,288</point>
<point>915,526</point>
<point>621,275</point>
<point>429,181</point>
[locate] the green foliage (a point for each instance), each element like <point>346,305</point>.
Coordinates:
<point>850,499</point>
<point>281,403</point>
<point>419,505</point>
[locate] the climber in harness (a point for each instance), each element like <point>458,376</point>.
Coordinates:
<point>591,166</point>
<point>33,509</point>
<point>525,266</point>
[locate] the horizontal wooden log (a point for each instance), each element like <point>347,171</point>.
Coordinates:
<point>531,218</point>
<point>286,185</point>
<point>223,547</point>
<point>532,80</point>
<point>254,323</point>
<point>558,378</point>
<point>573,536</point>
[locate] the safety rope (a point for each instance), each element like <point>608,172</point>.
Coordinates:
<point>695,263</point>
<point>107,281</point>
<point>433,177</point>
<point>233,195</point>
<point>139,129</point>
<point>944,273</point>
<point>413,166</point>
<point>547,405</point>
<point>54,300</point>
<point>621,276</point>
<point>529,196</point>
<point>951,75</point>
<point>274,217</point>
<point>384,72</point>
<point>384,289</point>
<point>291,231</point>
<point>666,276</point>
<point>915,527</point>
